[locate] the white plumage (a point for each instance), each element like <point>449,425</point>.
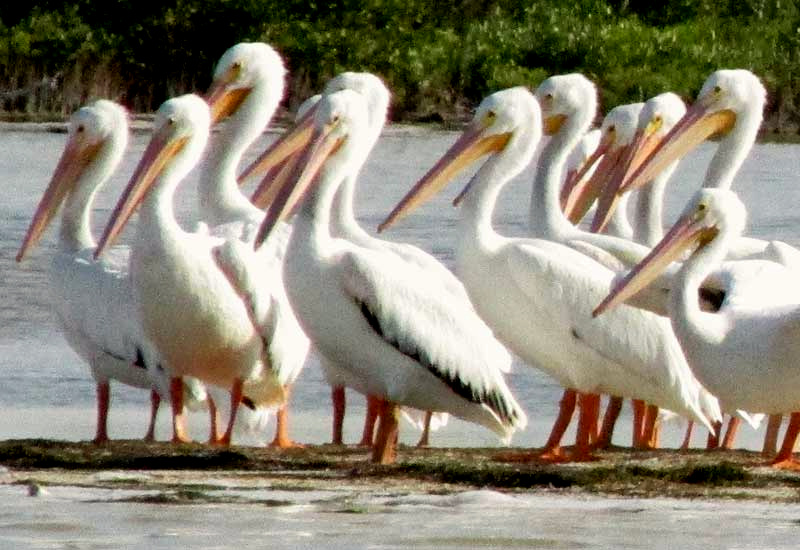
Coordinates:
<point>93,299</point>
<point>534,293</point>
<point>189,309</point>
<point>377,316</point>
<point>745,354</point>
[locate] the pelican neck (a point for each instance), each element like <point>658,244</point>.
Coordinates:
<point>221,199</point>
<point>546,218</point>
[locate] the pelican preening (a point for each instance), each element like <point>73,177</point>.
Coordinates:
<point>379,316</point>
<point>535,293</point>
<point>745,354</point>
<point>93,300</point>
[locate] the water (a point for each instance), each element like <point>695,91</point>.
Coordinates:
<point>48,392</point>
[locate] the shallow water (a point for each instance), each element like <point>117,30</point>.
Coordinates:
<point>47,392</point>
<point>70,518</point>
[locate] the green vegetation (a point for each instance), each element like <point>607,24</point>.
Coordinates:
<point>438,57</point>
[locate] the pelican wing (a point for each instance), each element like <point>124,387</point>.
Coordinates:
<point>94,303</point>
<point>408,309</point>
<point>570,284</point>
<point>256,278</point>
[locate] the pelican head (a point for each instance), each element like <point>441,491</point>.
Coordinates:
<point>506,121</point>
<point>372,88</point>
<point>567,98</point>
<point>180,132</point>
<point>657,117</point>
<point>98,131</point>
<point>711,214</point>
<point>240,69</point>
<point>331,140</point>
<point>616,133</point>
<point>271,163</point>
<point>730,100</point>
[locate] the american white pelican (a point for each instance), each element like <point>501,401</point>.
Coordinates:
<point>569,103</point>
<point>189,309</point>
<point>730,104</point>
<point>536,293</point>
<point>745,354</point>
<point>246,90</point>
<point>616,131</point>
<point>93,299</point>
<point>345,225</point>
<point>658,116</point>
<point>384,322</point>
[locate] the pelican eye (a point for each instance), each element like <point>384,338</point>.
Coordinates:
<point>171,121</point>
<point>80,128</point>
<point>717,89</point>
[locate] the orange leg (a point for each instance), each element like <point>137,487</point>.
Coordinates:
<point>103,399</point>
<point>713,438</point>
<point>155,402</point>
<point>214,437</point>
<point>639,409</point>
<point>179,434</point>
<point>784,459</point>
<point>236,400</point>
<point>609,421</point>
<point>587,423</point>
<point>373,409</point>
<point>385,449</point>
<point>424,439</point>
<point>650,430</point>
<point>688,437</point>
<point>730,434</point>
<point>771,435</point>
<point>339,403</point>
<point>282,439</point>
<point>552,448</point>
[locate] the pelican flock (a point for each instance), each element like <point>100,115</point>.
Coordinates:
<point>239,302</point>
<point>93,300</point>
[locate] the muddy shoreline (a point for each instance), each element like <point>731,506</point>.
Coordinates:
<point>180,470</point>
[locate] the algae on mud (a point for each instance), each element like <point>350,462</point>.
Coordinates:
<point>181,470</point>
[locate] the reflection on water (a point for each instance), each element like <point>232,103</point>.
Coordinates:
<point>47,392</point>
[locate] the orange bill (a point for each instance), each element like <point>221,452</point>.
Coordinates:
<point>472,145</point>
<point>161,149</point>
<point>686,231</point>
<point>76,156</point>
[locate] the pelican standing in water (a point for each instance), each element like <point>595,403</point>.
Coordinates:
<point>536,293</point>
<point>745,354</point>
<point>379,317</point>
<point>93,299</point>
<point>245,92</point>
<point>189,309</point>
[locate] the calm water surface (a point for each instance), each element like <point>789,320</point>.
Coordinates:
<point>48,392</point>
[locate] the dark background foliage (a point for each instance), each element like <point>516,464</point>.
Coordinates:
<point>439,58</point>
